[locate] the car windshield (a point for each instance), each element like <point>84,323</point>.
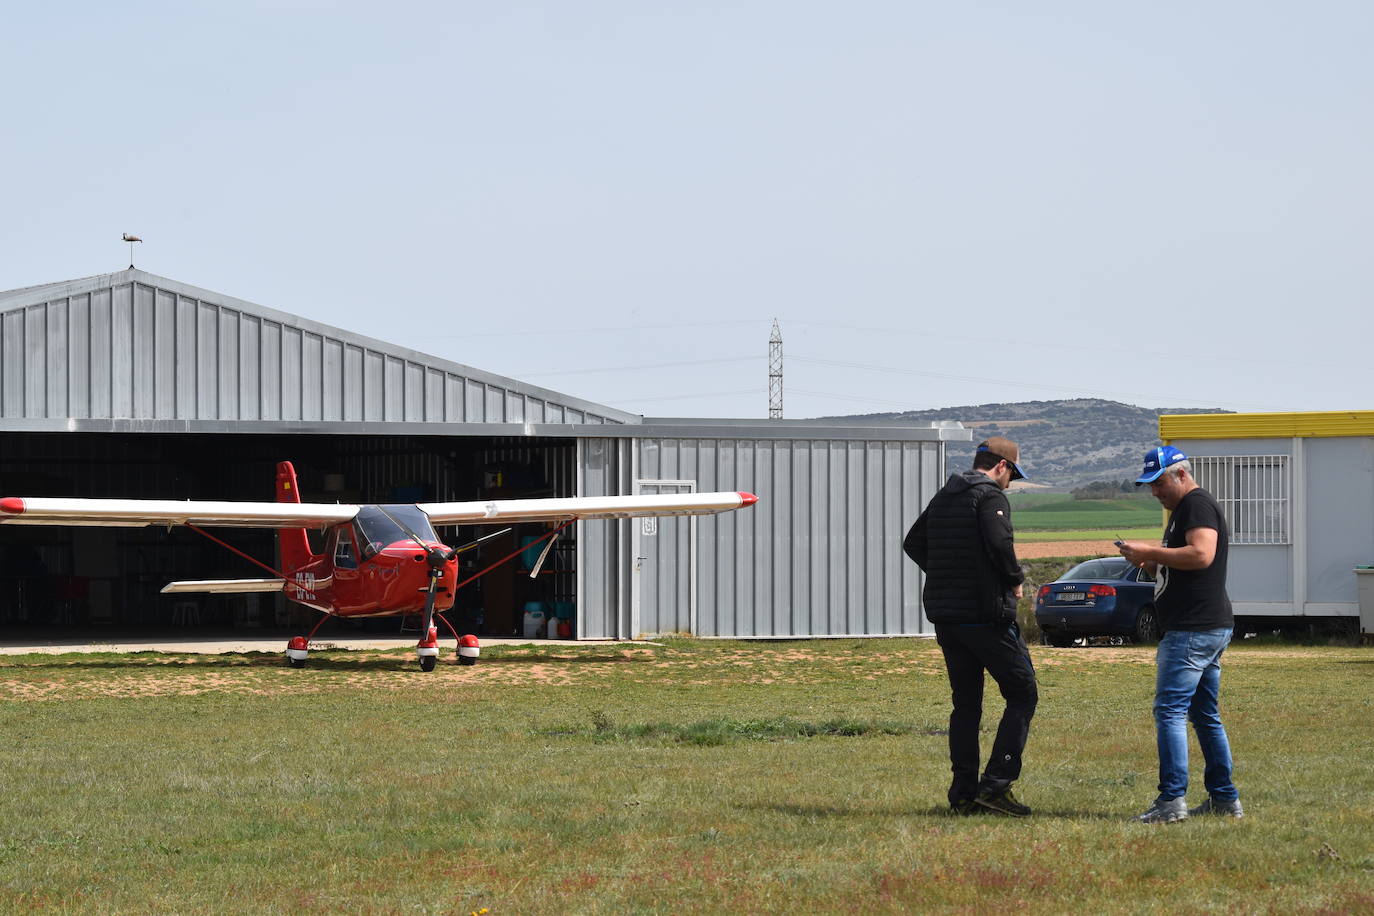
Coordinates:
<point>379,530</point>
<point>1101,568</point>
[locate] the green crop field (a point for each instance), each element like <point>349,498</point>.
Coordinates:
<point>687,777</point>
<point>1088,534</point>
<point>1056,512</point>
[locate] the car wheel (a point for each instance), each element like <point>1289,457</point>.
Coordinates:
<point>1058,640</point>
<point>1146,627</point>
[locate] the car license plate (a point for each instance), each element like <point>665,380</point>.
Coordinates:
<point>1072,596</point>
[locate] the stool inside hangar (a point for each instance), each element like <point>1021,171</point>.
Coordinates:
<point>61,578</point>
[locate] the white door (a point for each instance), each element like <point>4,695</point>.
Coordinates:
<point>664,588</point>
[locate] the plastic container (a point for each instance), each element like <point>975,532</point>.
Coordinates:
<point>1364,577</point>
<point>536,617</point>
<point>530,555</point>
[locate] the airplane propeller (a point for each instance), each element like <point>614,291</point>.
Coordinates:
<point>437,556</point>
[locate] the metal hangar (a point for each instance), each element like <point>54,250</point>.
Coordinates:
<point>134,385</point>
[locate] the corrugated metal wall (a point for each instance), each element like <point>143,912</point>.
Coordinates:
<point>132,345</point>
<point>820,555</point>
<point>603,588</point>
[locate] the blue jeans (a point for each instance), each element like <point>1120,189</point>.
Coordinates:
<point>1187,681</point>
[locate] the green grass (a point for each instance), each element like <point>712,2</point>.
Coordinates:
<point>1090,534</point>
<point>693,777</point>
<point>1056,512</point>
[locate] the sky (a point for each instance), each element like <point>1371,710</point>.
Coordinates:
<point>1166,204</point>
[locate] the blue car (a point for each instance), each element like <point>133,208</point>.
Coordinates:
<point>1102,597</point>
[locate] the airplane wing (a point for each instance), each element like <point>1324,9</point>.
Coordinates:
<point>139,513</point>
<point>224,586</point>
<point>494,511</point>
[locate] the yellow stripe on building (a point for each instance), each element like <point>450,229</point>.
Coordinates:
<point>1316,424</point>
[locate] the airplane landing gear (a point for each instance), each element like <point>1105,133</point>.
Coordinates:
<point>428,649</point>
<point>468,650</point>
<point>297,650</point>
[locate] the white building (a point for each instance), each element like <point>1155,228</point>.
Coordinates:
<point>1298,492</point>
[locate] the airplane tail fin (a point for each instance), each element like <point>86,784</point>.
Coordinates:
<point>287,490</point>
<point>295,546</point>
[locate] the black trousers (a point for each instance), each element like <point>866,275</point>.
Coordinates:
<point>998,650</point>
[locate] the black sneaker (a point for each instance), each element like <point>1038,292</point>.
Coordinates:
<point>1002,802</point>
<point>964,807</point>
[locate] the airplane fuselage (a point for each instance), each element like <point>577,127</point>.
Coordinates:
<point>374,566</point>
<point>391,581</point>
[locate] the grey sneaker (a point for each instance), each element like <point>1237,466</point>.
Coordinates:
<point>1219,808</point>
<point>1165,812</point>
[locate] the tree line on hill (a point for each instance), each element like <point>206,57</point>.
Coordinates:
<point>1106,489</point>
<point>1065,444</point>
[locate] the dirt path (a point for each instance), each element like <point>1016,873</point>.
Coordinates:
<point>1041,549</point>
<point>144,677</point>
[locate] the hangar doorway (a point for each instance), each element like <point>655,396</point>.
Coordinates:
<point>62,578</point>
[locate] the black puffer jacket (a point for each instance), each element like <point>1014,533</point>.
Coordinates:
<point>963,542</point>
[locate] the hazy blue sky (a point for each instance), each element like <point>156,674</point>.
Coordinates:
<point>943,203</point>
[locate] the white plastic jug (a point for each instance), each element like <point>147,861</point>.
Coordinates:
<point>533,621</point>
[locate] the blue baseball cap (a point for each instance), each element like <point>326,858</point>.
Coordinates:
<point>1157,461</point>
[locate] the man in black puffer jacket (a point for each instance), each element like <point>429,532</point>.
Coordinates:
<point>963,543</point>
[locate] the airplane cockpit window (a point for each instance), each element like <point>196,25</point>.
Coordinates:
<point>381,526</point>
<point>344,557</point>
<point>366,549</point>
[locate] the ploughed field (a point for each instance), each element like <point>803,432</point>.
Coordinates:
<point>1057,525</point>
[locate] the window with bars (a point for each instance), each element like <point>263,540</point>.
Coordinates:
<point>1253,491</point>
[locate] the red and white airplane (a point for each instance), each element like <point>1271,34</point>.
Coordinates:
<point>378,560</point>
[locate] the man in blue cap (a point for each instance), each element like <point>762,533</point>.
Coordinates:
<point>963,541</point>
<point>1195,617</point>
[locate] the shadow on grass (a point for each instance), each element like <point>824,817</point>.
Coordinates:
<point>319,659</point>
<point>937,811</point>
<point>600,659</point>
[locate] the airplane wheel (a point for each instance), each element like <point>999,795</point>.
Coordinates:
<point>466,660</point>
<point>296,662</point>
<point>427,662</point>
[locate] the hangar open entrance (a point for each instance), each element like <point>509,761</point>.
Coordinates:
<point>60,577</point>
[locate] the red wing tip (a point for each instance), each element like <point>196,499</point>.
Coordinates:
<point>747,499</point>
<point>12,505</point>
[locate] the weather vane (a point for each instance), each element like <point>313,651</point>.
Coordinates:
<point>131,239</point>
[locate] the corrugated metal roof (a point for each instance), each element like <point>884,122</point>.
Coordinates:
<point>1316,424</point>
<point>134,346</point>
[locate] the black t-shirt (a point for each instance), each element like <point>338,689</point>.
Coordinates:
<point>1194,599</point>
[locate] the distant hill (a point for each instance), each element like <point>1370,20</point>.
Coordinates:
<point>1064,444</point>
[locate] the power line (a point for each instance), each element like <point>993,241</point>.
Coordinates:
<point>1174,355</point>
<point>682,397</point>
<point>688,362</point>
<point>620,328</point>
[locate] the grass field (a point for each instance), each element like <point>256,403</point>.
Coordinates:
<point>689,777</point>
<point>1032,512</point>
<point>1086,534</point>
